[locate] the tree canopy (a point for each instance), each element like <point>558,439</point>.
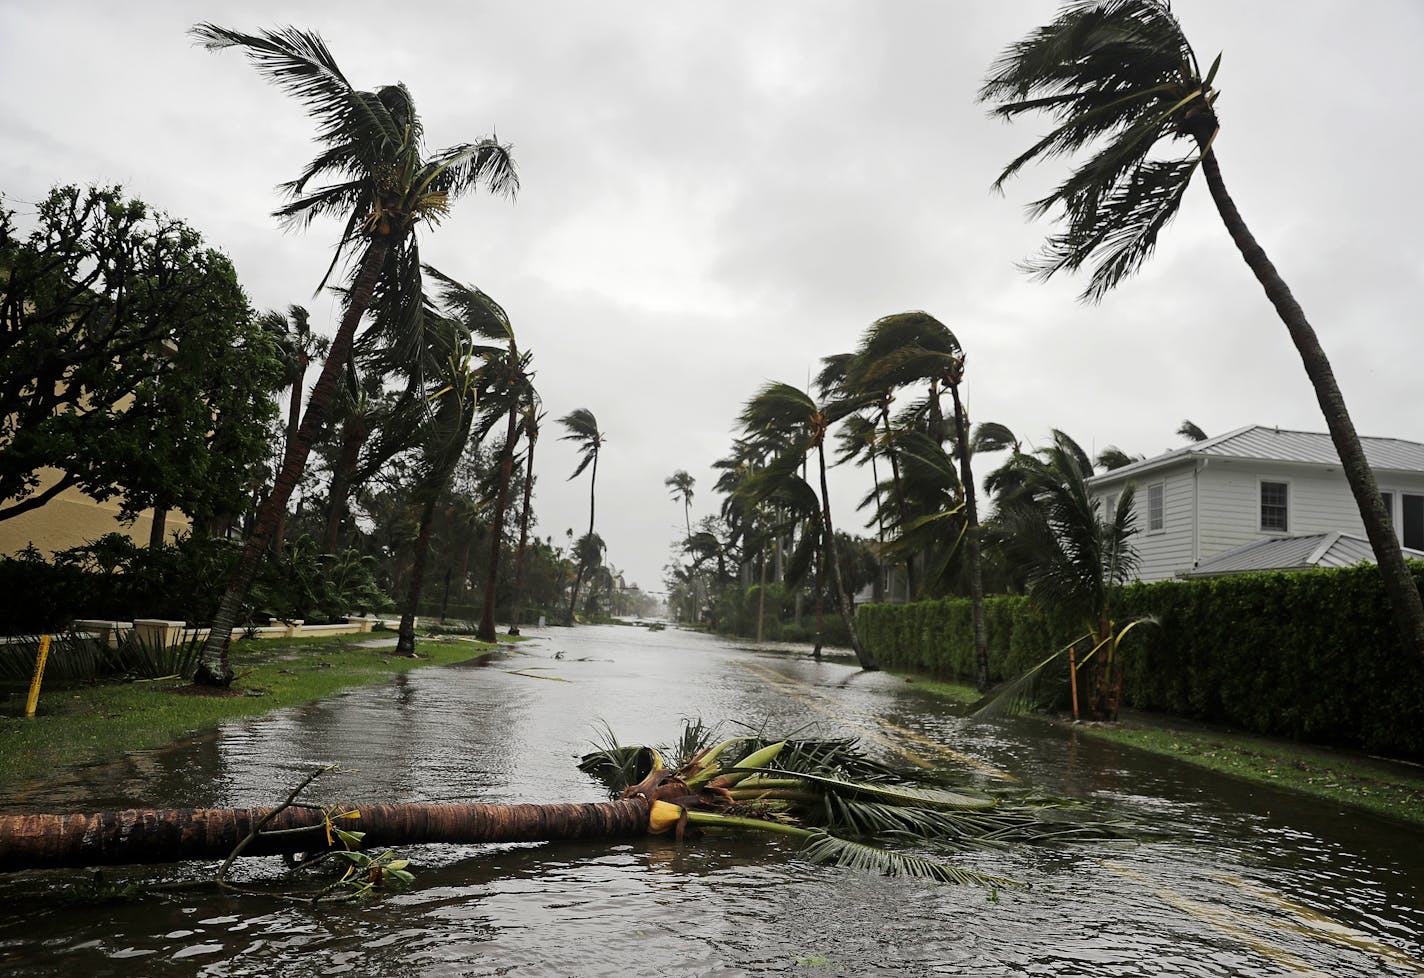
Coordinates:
<point>133,365</point>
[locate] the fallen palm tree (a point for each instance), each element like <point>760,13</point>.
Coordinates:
<point>836,802</point>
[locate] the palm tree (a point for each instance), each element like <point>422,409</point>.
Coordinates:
<point>446,435</point>
<point>299,346</point>
<point>583,430</point>
<point>1076,557</point>
<point>530,419</point>
<point>1113,457</point>
<point>1119,76</point>
<point>1191,432</point>
<point>911,347</point>
<point>788,415</point>
<point>385,184</point>
<point>680,485</point>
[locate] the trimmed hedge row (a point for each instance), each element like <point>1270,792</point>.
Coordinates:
<point>1308,655</point>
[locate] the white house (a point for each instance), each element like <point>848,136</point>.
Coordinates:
<point>1259,498</point>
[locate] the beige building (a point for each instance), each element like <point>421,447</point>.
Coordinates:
<point>73,519</point>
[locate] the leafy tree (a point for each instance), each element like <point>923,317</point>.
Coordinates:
<point>385,184</point>
<point>1119,77</point>
<point>1113,457</point>
<point>131,361</point>
<point>582,428</point>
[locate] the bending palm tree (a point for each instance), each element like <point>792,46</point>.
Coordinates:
<point>583,430</point>
<point>1119,77</point>
<point>385,185</point>
<point>680,485</point>
<point>915,346</point>
<point>785,414</point>
<point>531,418</point>
<point>299,346</point>
<point>1075,556</point>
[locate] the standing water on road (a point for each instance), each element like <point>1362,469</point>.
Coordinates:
<point>1236,880</point>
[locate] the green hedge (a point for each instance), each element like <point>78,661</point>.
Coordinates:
<point>1311,656</point>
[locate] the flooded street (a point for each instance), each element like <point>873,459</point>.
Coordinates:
<point>1245,881</point>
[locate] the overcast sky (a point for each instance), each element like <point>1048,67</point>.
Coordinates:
<point>717,195</point>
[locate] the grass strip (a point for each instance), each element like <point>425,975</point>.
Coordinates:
<point>1383,788</point>
<point>1386,788</point>
<point>85,724</point>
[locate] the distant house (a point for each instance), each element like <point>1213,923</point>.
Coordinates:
<point>1262,498</point>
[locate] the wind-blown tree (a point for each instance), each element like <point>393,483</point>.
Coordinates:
<point>505,383</point>
<point>1191,432</point>
<point>299,347</point>
<point>445,437</point>
<point>588,557</point>
<point>680,488</point>
<point>1113,457</point>
<point>1119,77</point>
<point>384,184</point>
<point>530,420</point>
<point>911,347</point>
<point>1075,556</point>
<point>582,428</point>
<point>133,365</point>
<point>788,415</point>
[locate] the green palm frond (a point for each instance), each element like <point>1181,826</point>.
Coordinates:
<point>823,847</point>
<point>908,796</point>
<point>1117,77</point>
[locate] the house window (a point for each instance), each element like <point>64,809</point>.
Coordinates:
<point>1273,506</point>
<point>1413,520</point>
<point>1154,506</point>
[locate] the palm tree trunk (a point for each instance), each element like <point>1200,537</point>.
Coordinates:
<point>820,599</point>
<point>213,667</point>
<point>971,534</point>
<point>523,541</point>
<point>573,598</point>
<point>420,550</point>
<point>866,660</point>
<point>354,432</point>
<point>899,494</point>
<point>159,527</point>
<point>486,631</point>
<point>148,836</point>
<point>294,421</point>
<point>1399,585</point>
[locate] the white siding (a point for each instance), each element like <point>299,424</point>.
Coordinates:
<point>1166,552</point>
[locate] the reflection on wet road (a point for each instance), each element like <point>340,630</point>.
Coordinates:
<point>1246,881</point>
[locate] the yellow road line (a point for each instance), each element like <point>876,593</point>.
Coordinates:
<point>1318,925</point>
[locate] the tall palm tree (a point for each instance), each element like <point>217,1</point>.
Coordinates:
<point>1118,77</point>
<point>384,184</point>
<point>786,414</point>
<point>505,381</point>
<point>530,419</point>
<point>299,346</point>
<point>912,347</point>
<point>680,488</point>
<point>582,428</point>
<point>446,435</point>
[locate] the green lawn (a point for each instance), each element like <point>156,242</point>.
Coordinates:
<point>1394,790</point>
<point>88,723</point>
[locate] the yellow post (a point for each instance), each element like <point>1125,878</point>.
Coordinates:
<point>34,699</point>
<point>1073,679</point>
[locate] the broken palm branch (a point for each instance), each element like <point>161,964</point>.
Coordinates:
<point>838,803</point>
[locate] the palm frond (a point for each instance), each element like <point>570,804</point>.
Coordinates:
<point>823,847</point>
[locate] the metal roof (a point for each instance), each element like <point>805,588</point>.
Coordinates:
<point>1280,445</point>
<point>1307,552</point>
